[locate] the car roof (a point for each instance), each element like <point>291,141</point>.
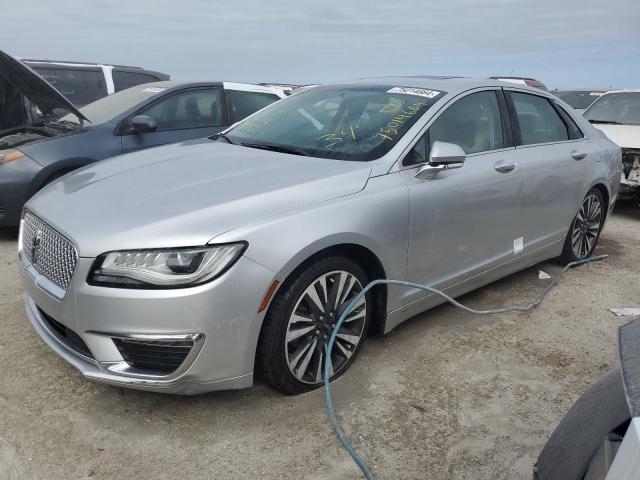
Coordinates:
<point>170,84</point>
<point>624,90</point>
<point>76,63</point>
<point>515,78</point>
<point>582,89</point>
<point>451,85</point>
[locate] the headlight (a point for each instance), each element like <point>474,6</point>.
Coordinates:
<point>10,155</point>
<point>164,268</point>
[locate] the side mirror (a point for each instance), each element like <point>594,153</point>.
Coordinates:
<point>142,124</point>
<point>444,156</point>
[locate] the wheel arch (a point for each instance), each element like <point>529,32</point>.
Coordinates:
<point>56,169</point>
<point>361,254</point>
<point>602,188</point>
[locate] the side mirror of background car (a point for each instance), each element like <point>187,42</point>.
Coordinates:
<point>142,124</point>
<point>444,156</point>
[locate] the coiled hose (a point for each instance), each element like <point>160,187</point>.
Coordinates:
<point>327,358</point>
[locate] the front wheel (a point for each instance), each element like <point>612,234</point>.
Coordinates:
<point>301,318</point>
<point>585,229</point>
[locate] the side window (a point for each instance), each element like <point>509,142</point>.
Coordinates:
<point>80,86</point>
<point>574,131</point>
<point>190,109</point>
<point>539,122</point>
<point>123,80</point>
<point>244,104</point>
<point>418,154</point>
<point>473,123</point>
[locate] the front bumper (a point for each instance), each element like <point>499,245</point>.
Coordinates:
<point>221,317</point>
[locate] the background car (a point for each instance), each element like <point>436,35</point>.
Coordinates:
<point>617,114</point>
<point>237,254</point>
<point>140,117</point>
<point>83,83</point>
<point>599,437</point>
<point>530,82</point>
<point>580,98</point>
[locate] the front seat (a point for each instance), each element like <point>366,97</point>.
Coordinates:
<point>192,110</point>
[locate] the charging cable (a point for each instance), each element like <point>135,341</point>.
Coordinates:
<point>327,358</point>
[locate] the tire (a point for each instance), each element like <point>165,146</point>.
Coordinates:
<point>291,348</point>
<point>585,227</point>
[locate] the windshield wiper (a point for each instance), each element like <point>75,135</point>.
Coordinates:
<point>223,136</point>
<point>608,122</point>
<point>277,148</point>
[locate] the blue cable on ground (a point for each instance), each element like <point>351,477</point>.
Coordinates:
<point>327,358</point>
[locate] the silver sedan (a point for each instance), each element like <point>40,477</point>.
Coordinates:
<point>195,266</point>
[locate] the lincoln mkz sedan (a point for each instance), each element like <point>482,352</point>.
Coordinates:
<point>202,263</point>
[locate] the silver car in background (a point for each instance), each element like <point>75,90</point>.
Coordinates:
<point>190,267</point>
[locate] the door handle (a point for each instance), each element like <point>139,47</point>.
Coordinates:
<point>576,155</point>
<point>504,167</point>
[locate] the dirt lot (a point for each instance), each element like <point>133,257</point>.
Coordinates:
<point>446,395</point>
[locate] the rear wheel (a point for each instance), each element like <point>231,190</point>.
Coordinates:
<point>585,229</point>
<point>301,318</point>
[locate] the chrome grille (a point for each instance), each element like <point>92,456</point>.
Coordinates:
<point>51,254</point>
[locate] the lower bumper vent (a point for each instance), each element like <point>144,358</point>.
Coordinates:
<point>153,356</point>
<point>67,336</point>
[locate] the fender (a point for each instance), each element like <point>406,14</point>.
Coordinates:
<point>61,167</point>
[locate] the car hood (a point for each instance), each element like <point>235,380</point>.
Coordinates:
<point>34,87</point>
<point>625,136</point>
<point>186,194</point>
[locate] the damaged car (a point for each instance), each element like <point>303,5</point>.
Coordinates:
<point>617,114</point>
<point>33,154</point>
<point>190,267</point>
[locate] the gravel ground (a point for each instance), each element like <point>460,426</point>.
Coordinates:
<point>446,395</point>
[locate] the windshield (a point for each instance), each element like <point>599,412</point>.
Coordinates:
<point>111,106</point>
<point>347,123</point>
<point>579,99</point>
<point>622,108</point>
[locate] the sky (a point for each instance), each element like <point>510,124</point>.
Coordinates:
<point>566,43</point>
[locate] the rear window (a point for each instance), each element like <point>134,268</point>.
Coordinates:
<point>123,80</point>
<point>80,86</point>
<point>580,99</point>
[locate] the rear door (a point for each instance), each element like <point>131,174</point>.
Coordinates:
<point>467,220</point>
<point>185,115</point>
<point>554,153</point>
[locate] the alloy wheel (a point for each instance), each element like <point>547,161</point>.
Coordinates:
<point>312,321</point>
<point>586,226</point>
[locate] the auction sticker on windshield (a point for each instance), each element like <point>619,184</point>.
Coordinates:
<point>421,92</point>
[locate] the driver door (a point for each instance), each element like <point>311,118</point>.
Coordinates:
<point>466,221</point>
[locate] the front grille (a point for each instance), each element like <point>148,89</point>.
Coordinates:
<point>50,253</point>
<point>153,356</point>
<point>2,209</point>
<point>67,336</point>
